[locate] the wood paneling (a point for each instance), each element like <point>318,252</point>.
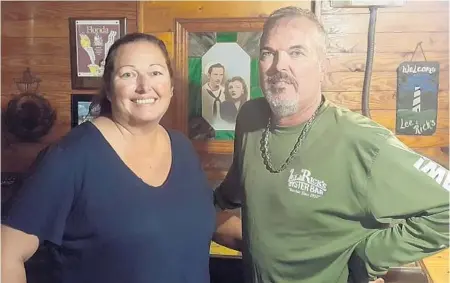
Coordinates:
<point>57,11</point>
<point>379,100</point>
<point>158,16</point>
<point>35,34</point>
<point>390,42</point>
<point>380,81</point>
<point>383,62</point>
<point>412,6</point>
<point>387,22</point>
<point>30,46</point>
<point>398,31</point>
<point>44,28</point>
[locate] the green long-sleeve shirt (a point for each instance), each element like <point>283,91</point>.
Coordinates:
<point>352,187</point>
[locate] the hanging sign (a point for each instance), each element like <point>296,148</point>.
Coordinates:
<point>417,97</point>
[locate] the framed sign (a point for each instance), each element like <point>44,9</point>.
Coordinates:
<point>417,98</point>
<point>80,108</point>
<point>90,40</point>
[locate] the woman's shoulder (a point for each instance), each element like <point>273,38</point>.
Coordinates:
<point>80,135</point>
<point>79,139</point>
<point>68,150</point>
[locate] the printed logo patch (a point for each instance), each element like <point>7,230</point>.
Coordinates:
<point>306,185</point>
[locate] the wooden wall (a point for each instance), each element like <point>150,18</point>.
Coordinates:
<point>36,35</point>
<point>398,30</point>
<point>158,18</point>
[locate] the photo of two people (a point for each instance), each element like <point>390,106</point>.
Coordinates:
<point>221,97</point>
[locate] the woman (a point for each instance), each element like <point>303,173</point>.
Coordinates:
<point>122,198</point>
<point>236,94</point>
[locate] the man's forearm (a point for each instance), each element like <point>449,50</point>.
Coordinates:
<point>412,240</point>
<point>228,230</point>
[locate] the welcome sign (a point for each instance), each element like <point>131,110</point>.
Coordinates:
<point>417,98</point>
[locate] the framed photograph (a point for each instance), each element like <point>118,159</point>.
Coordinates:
<point>90,40</point>
<point>217,61</point>
<point>80,108</point>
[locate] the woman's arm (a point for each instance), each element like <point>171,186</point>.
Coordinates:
<point>17,248</point>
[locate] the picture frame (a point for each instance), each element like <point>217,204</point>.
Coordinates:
<point>80,104</point>
<point>197,45</point>
<point>90,40</point>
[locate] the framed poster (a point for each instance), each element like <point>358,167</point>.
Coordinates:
<point>80,108</point>
<point>90,40</point>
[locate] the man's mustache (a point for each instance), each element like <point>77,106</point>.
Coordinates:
<point>281,77</point>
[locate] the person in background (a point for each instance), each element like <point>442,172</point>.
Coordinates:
<point>236,94</point>
<point>318,183</point>
<point>121,198</point>
<point>213,93</point>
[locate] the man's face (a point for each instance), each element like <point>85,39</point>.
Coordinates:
<point>290,65</point>
<point>216,77</point>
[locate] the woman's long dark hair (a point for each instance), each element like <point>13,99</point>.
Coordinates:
<point>100,105</point>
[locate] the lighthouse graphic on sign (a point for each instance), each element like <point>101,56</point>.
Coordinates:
<point>416,99</point>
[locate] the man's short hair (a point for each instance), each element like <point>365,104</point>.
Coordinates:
<point>292,11</point>
<point>217,65</point>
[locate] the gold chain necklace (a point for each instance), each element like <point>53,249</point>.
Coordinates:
<point>265,143</point>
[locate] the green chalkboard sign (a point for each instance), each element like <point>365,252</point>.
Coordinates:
<point>417,98</point>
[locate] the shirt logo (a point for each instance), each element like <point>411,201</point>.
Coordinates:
<point>305,185</point>
<point>434,171</point>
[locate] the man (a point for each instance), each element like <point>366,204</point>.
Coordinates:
<point>317,183</point>
<point>213,93</point>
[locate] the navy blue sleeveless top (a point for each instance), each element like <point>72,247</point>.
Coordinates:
<point>110,226</point>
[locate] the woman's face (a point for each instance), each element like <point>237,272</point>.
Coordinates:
<point>142,87</point>
<point>236,89</point>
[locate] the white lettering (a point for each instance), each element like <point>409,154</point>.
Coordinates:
<point>418,127</point>
<point>434,171</point>
<point>304,187</point>
<point>446,184</point>
<point>419,163</point>
<point>305,184</point>
<point>406,69</point>
<point>305,176</point>
<point>91,29</point>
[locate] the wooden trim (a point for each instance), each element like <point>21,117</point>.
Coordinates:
<point>140,16</point>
